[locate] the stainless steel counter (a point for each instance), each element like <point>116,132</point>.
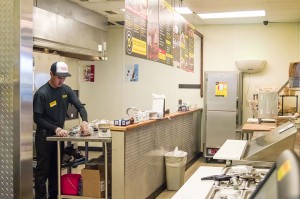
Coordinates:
<point>91,138</point>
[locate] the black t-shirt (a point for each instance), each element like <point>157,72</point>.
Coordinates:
<point>50,106</point>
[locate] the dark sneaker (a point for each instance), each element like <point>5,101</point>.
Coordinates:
<point>66,158</point>
<point>68,150</point>
<point>77,155</point>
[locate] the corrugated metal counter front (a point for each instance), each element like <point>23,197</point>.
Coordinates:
<point>138,167</point>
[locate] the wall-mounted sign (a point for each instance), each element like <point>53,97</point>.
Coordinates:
<point>88,73</point>
<point>136,28</point>
<point>132,73</point>
<point>221,89</point>
<point>154,31</point>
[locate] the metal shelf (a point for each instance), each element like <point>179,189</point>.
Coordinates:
<point>282,102</point>
<point>91,138</point>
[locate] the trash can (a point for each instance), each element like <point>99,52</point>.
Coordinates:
<point>175,168</point>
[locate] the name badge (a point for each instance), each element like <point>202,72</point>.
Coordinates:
<point>53,103</point>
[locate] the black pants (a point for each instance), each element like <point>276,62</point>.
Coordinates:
<point>46,168</point>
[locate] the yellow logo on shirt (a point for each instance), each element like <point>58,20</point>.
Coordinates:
<point>53,103</point>
<point>65,96</point>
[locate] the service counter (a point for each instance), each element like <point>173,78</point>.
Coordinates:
<point>138,167</point>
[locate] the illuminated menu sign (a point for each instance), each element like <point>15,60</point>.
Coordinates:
<point>136,28</point>
<point>154,31</point>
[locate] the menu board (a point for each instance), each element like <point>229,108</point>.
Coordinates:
<point>190,66</point>
<point>176,40</point>
<point>184,45</point>
<point>154,31</point>
<point>136,28</point>
<point>165,33</point>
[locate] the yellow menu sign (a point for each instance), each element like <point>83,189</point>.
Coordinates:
<point>221,89</point>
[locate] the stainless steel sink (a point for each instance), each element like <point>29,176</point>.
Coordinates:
<point>218,193</point>
<point>246,179</point>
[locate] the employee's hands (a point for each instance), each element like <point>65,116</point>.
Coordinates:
<point>61,132</point>
<point>84,128</point>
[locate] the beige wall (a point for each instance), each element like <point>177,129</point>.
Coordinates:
<point>277,43</point>
<point>110,95</point>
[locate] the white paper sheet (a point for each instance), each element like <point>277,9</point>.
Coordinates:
<point>231,150</point>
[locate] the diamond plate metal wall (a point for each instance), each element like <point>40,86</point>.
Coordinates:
<point>6,98</point>
<point>15,56</point>
<point>145,148</point>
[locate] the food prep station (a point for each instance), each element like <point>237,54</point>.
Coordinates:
<point>236,182</point>
<point>249,162</point>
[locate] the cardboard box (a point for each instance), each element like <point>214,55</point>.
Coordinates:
<point>93,184</point>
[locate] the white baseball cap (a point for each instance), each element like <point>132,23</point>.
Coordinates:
<point>60,69</point>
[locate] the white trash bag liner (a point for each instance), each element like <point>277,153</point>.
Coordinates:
<point>176,158</point>
<point>175,168</point>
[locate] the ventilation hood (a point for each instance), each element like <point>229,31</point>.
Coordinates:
<point>66,36</point>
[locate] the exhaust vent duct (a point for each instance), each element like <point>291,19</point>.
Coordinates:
<point>66,35</point>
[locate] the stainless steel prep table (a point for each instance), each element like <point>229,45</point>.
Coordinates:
<point>91,138</point>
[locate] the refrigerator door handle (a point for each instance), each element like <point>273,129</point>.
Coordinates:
<point>237,102</point>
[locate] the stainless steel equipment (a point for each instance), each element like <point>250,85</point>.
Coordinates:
<point>16,99</point>
<point>246,176</point>
<point>222,108</point>
<point>280,181</point>
<point>242,183</point>
<point>283,179</point>
<point>262,151</point>
<point>269,146</point>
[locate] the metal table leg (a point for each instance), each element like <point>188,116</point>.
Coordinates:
<point>105,168</point>
<point>86,152</point>
<point>58,169</point>
<point>69,170</point>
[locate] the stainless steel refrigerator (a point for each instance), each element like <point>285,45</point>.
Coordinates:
<point>223,98</point>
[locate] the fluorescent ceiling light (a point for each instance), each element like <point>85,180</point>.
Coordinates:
<point>183,10</point>
<point>255,13</point>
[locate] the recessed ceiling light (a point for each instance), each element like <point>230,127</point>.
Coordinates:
<point>183,10</point>
<point>123,9</point>
<point>255,13</point>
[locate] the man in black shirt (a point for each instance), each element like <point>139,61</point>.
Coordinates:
<point>50,104</point>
